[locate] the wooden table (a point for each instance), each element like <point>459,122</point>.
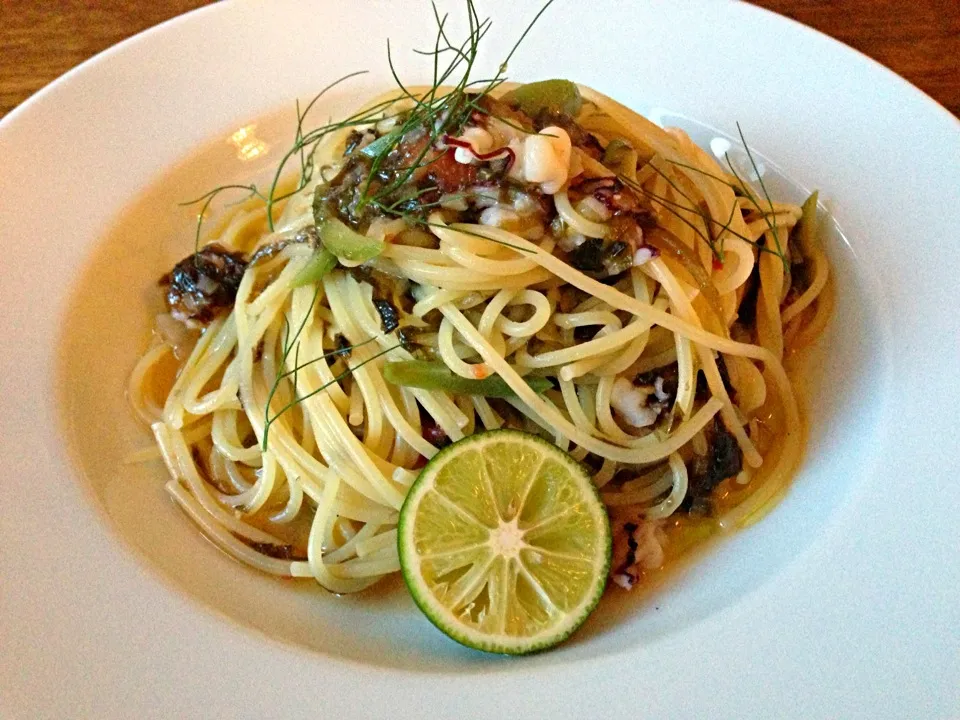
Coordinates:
<point>919,39</point>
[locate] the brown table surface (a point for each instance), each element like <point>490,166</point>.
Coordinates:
<point>919,39</point>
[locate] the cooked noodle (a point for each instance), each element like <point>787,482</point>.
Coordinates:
<point>320,498</point>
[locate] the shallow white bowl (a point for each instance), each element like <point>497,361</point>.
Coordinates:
<point>844,602</point>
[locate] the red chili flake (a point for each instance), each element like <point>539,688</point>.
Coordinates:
<point>505,151</point>
<point>480,371</point>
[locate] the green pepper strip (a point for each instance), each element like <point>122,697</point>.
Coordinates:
<point>319,264</point>
<point>346,243</point>
<point>437,376</point>
<point>339,238</point>
<point>559,96</point>
<point>381,144</point>
<point>617,157</point>
<point>807,227</point>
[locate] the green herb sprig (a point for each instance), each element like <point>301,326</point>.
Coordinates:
<point>763,188</point>
<point>270,419</point>
<point>440,115</point>
<point>437,115</point>
<point>711,238</point>
<point>744,187</point>
<point>208,198</point>
<point>292,344</point>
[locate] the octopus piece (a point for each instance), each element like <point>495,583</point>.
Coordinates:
<point>638,546</point>
<point>633,403</point>
<point>579,137</point>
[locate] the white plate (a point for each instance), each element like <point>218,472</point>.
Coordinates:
<point>844,602</point>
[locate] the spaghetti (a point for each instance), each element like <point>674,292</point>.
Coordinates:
<point>589,277</point>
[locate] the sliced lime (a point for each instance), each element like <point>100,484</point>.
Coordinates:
<point>504,542</point>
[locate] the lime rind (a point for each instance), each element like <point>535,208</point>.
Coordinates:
<point>527,622</point>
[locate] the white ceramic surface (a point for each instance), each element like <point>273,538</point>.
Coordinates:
<point>844,602</point>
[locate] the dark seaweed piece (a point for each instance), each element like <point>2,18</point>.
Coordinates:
<point>665,380</point>
<point>342,196</point>
<point>431,432</point>
<point>625,550</point>
<point>583,333</point>
<point>204,284</point>
<point>601,261</point>
<point>308,234</point>
<point>353,141</point>
<point>280,552</point>
<point>588,257</point>
<point>404,335</point>
<point>202,470</point>
<point>344,348</point>
<point>387,286</point>
<point>389,317</point>
<point>617,258</point>
<point>723,460</point>
<point>747,310</point>
<point>703,388</point>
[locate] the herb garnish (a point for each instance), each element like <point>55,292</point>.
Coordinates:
<point>438,115</point>
<point>208,198</point>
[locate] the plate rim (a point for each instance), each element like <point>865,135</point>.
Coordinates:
<point>88,66</point>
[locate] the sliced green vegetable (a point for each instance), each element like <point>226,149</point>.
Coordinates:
<point>380,145</point>
<point>806,230</point>
<point>338,237</point>
<point>437,376</point>
<point>345,242</point>
<point>560,96</point>
<point>620,157</point>
<point>319,264</point>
